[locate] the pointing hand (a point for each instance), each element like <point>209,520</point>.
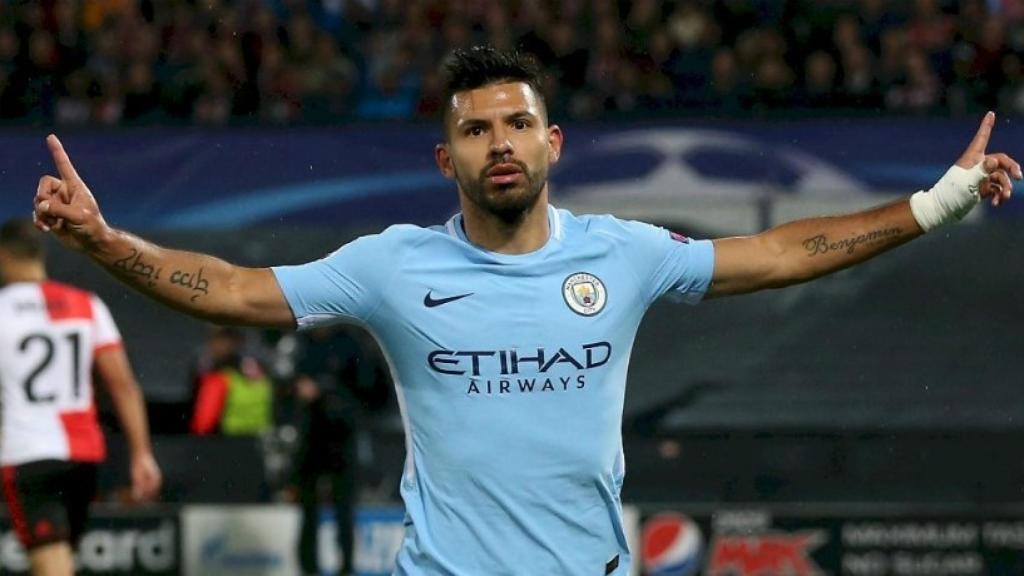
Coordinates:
<point>65,206</point>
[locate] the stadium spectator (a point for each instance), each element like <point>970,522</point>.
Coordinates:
<point>234,396</point>
<point>1011,97</point>
<point>53,337</point>
<point>918,90</point>
<point>241,61</point>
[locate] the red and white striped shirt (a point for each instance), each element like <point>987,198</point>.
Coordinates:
<point>50,334</point>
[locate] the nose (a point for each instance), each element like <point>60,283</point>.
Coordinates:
<point>500,142</point>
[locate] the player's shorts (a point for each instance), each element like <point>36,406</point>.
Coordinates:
<point>48,500</point>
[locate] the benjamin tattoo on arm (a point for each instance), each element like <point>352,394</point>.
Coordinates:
<point>822,244</point>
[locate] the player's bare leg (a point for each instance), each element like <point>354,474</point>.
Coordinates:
<point>52,560</point>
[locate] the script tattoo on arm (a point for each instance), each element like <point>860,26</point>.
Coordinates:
<point>134,266</point>
<point>822,244</point>
<point>194,280</point>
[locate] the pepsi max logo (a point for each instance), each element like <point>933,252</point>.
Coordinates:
<point>766,553</point>
<point>672,546</point>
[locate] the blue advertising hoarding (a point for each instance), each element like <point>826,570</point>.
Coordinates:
<point>381,174</point>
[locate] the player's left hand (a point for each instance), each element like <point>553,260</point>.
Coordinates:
<point>146,478</point>
<point>998,167</point>
<point>65,206</point>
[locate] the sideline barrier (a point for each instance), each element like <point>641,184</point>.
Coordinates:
<point>118,541</point>
<point>222,540</point>
<point>687,540</point>
<point>824,539</point>
<point>229,540</point>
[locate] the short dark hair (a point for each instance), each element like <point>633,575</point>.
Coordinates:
<point>21,239</point>
<point>468,69</point>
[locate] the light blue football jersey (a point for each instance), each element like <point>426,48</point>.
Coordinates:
<point>510,373</point>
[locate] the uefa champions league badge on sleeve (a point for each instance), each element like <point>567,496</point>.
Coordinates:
<point>584,293</point>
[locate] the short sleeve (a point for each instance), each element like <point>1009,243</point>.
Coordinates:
<point>670,263</point>
<point>347,283</point>
<point>106,332</point>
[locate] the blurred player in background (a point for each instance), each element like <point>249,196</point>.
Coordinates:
<point>53,338</point>
<point>509,328</point>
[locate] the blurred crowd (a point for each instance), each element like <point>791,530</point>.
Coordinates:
<point>215,62</point>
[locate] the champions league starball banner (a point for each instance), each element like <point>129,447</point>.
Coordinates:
<point>717,176</point>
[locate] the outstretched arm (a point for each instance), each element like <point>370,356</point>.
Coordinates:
<point>197,284</point>
<point>807,249</point>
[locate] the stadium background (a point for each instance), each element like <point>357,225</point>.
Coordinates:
<point>868,423</point>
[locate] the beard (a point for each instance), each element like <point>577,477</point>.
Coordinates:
<point>507,202</point>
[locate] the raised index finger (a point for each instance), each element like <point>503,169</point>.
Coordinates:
<point>980,142</point>
<point>60,158</point>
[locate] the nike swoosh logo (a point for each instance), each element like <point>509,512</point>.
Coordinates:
<point>429,301</point>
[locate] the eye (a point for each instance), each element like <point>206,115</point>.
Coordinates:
<point>520,124</point>
<point>474,131</point>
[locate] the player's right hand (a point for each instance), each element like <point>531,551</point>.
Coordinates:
<point>65,206</point>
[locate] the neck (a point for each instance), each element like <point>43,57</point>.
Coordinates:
<point>526,234</point>
<point>17,271</point>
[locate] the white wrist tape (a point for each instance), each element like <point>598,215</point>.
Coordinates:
<point>952,197</point>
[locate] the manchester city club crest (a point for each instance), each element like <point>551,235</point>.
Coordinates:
<point>584,293</point>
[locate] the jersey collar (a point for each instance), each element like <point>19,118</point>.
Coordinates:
<point>455,229</point>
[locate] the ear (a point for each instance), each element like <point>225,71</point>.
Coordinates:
<point>444,161</point>
<point>555,140</point>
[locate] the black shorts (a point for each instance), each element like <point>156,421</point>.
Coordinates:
<point>48,501</point>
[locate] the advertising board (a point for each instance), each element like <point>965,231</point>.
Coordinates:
<point>139,542</point>
<point>758,542</point>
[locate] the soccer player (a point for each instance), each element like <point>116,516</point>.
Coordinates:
<point>52,339</point>
<point>509,328</point>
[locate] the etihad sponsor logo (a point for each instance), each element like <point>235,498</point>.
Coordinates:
<point>521,371</point>
<point>512,362</point>
<point>526,385</point>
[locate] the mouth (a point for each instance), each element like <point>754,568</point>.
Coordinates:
<point>505,173</point>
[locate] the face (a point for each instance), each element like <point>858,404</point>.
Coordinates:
<point>499,148</point>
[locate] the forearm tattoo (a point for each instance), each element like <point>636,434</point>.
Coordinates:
<point>822,244</point>
<point>192,280</point>
<point>133,266</point>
